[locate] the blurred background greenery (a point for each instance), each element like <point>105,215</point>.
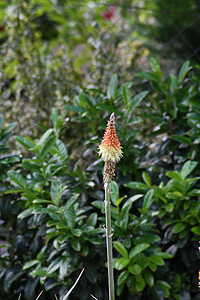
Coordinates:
<point>65,66</point>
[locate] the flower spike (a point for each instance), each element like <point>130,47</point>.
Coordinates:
<point>110,149</point>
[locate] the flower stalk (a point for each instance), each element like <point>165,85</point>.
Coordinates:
<point>111,152</point>
<point>111,287</point>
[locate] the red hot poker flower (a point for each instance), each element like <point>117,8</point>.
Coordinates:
<point>110,149</point>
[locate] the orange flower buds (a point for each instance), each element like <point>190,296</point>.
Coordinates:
<point>110,149</point>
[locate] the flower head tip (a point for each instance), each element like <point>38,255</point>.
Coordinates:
<point>110,148</point>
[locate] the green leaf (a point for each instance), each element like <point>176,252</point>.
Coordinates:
<point>42,201</point>
<point>134,103</point>
<point>174,175</point>
<point>165,287</point>
<point>148,276</point>
<point>92,220</point>
<point>129,202</point>
<point>183,71</point>
<point>148,199</point>
<point>45,137</point>
<point>54,115</point>
<point>121,263</point>
<point>31,166</point>
<point>126,94</point>
<point>140,283</point>
<point>76,245</point>
<point>196,230</point>
<point>26,142</point>
<point>187,168</point>
<point>122,277</point>
<point>56,191</point>
<point>135,269</point>
<point>114,192</point>
<point>164,255</point>
<point>157,260</point>
<point>120,248</point>
<point>99,204</point>
<point>54,265</point>
<point>179,227</point>
<point>47,145</point>
<point>30,264</point>
<point>181,139</point>
<point>153,266</point>
<point>173,84</point>
<point>25,213</point>
<point>148,238</point>
<point>10,127</point>
<point>137,186</point>
<point>112,87</point>
<point>146,178</point>
<point>120,200</point>
<point>17,178</point>
<point>149,76</point>
<point>70,217</point>
<point>74,108</point>
<point>9,159</point>
<point>61,150</point>
<point>77,232</point>
<point>155,65</point>
<point>169,207</point>
<point>138,249</point>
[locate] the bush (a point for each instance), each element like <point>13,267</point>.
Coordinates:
<point>154,212</point>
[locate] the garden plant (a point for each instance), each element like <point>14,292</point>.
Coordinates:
<point>52,198</point>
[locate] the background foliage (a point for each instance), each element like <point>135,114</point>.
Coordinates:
<point>66,67</point>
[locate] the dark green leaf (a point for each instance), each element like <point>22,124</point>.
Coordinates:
<point>126,94</point>
<point>181,139</point>
<point>47,145</point>
<point>26,142</point>
<point>196,230</point>
<point>148,276</point>
<point>31,263</point>
<point>135,269</point>
<point>157,260</point>
<point>131,200</point>
<point>148,199</point>
<point>122,277</point>
<point>76,245</point>
<point>146,178</point>
<point>179,227</point>
<point>17,178</point>
<point>92,220</point>
<point>138,249</point>
<point>134,103</point>
<point>174,175</point>
<point>121,263</point>
<point>187,168</point>
<point>114,192</point>
<point>120,248</point>
<point>137,186</point>
<point>183,71</point>
<point>140,283</point>
<point>148,238</point>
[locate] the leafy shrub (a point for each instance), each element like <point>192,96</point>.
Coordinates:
<point>156,227</point>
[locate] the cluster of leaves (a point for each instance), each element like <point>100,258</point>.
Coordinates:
<point>155,217</point>
<point>51,48</point>
<point>72,238</point>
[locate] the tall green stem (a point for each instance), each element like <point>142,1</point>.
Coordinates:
<point>109,242</point>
